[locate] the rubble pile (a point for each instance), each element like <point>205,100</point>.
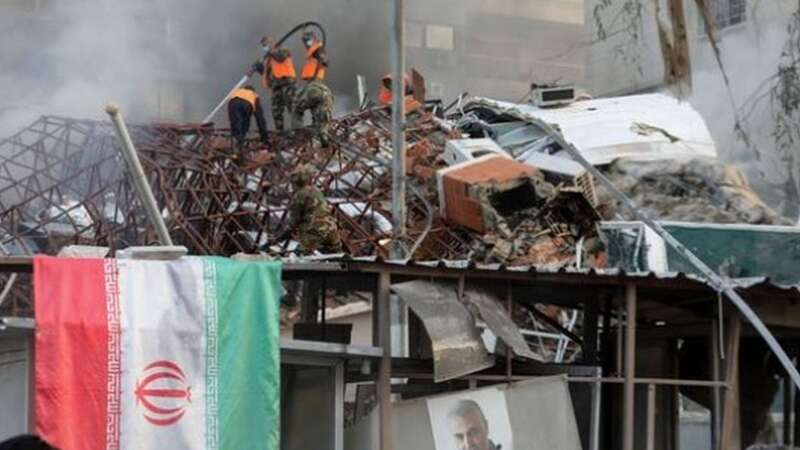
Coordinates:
<point>63,181</point>
<point>544,235</point>
<point>691,190</point>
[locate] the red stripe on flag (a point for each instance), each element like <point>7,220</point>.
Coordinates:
<point>75,368</point>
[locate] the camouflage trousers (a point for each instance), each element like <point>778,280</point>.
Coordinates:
<point>325,240</point>
<point>282,101</point>
<point>317,98</point>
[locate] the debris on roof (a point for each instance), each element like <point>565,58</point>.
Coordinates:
<point>484,182</point>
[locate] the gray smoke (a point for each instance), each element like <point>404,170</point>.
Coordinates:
<point>166,59</point>
<point>750,54</point>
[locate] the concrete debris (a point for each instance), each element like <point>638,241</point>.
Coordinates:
<point>691,190</point>
<point>510,196</point>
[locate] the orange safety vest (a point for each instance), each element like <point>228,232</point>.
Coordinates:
<point>310,68</point>
<point>280,70</point>
<point>385,96</point>
<point>247,95</point>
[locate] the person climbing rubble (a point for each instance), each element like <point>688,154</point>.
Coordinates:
<point>385,93</point>
<point>310,220</point>
<point>279,76</point>
<point>315,96</point>
<point>244,103</point>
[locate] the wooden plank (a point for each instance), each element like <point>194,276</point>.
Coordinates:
<point>731,433</point>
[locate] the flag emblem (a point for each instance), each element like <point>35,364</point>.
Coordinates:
<point>163,393</point>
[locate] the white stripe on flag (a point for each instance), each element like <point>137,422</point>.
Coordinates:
<point>212,356</point>
<point>163,354</point>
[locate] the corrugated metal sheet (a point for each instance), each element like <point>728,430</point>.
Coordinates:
<point>458,349</point>
<point>499,321</point>
<point>312,264</point>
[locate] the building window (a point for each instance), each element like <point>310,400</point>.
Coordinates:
<point>415,34</point>
<point>726,12</point>
<point>439,37</point>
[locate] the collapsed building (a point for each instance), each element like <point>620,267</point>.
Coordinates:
<point>486,187</point>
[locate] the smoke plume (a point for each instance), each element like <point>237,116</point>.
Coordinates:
<point>166,59</point>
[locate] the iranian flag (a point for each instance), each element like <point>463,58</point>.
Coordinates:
<point>134,354</point>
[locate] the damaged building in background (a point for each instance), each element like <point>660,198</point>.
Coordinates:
<point>487,186</point>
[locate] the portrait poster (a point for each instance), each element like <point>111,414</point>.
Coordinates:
<point>471,420</point>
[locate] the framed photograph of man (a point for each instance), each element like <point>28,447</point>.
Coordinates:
<point>471,420</point>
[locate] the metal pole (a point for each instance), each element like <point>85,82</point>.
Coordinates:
<point>224,99</point>
<point>715,281</point>
<point>651,417</point>
<point>716,405</point>
<point>630,366</point>
<point>7,288</point>
<point>620,345</point>
<point>594,435</point>
<point>398,132</point>
<point>138,176</point>
<point>510,310</point>
<point>385,372</point>
<point>788,409</point>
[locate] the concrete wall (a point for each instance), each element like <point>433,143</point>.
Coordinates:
<point>750,53</point>
<point>15,373</point>
<point>494,48</point>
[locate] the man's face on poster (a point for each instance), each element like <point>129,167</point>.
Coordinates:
<point>470,431</point>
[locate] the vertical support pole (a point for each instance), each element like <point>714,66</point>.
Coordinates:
<point>594,434</point>
<point>338,407</point>
<point>730,439</point>
<point>31,394</point>
<point>385,372</point>
<point>590,315</point>
<point>630,366</point>
<point>796,428</point>
<point>398,131</point>
<point>322,306</point>
<point>309,308</point>
<point>716,401</point>
<point>651,417</point>
<point>620,346</point>
<point>788,409</point>
<point>607,313</point>
<point>509,308</point>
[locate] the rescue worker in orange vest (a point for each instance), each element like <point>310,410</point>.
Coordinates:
<point>385,93</point>
<point>316,64</point>
<point>315,96</point>
<point>244,103</point>
<point>278,75</point>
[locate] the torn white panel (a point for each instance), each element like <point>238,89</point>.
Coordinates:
<point>457,151</point>
<point>359,209</point>
<point>624,127</point>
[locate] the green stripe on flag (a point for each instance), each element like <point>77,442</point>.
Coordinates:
<point>248,362</point>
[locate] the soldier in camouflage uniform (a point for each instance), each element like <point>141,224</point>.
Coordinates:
<point>278,75</point>
<point>318,98</point>
<point>310,220</point>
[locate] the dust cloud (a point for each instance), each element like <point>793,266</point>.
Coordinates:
<point>166,59</point>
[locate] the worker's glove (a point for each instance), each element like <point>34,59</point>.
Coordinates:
<point>258,66</point>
